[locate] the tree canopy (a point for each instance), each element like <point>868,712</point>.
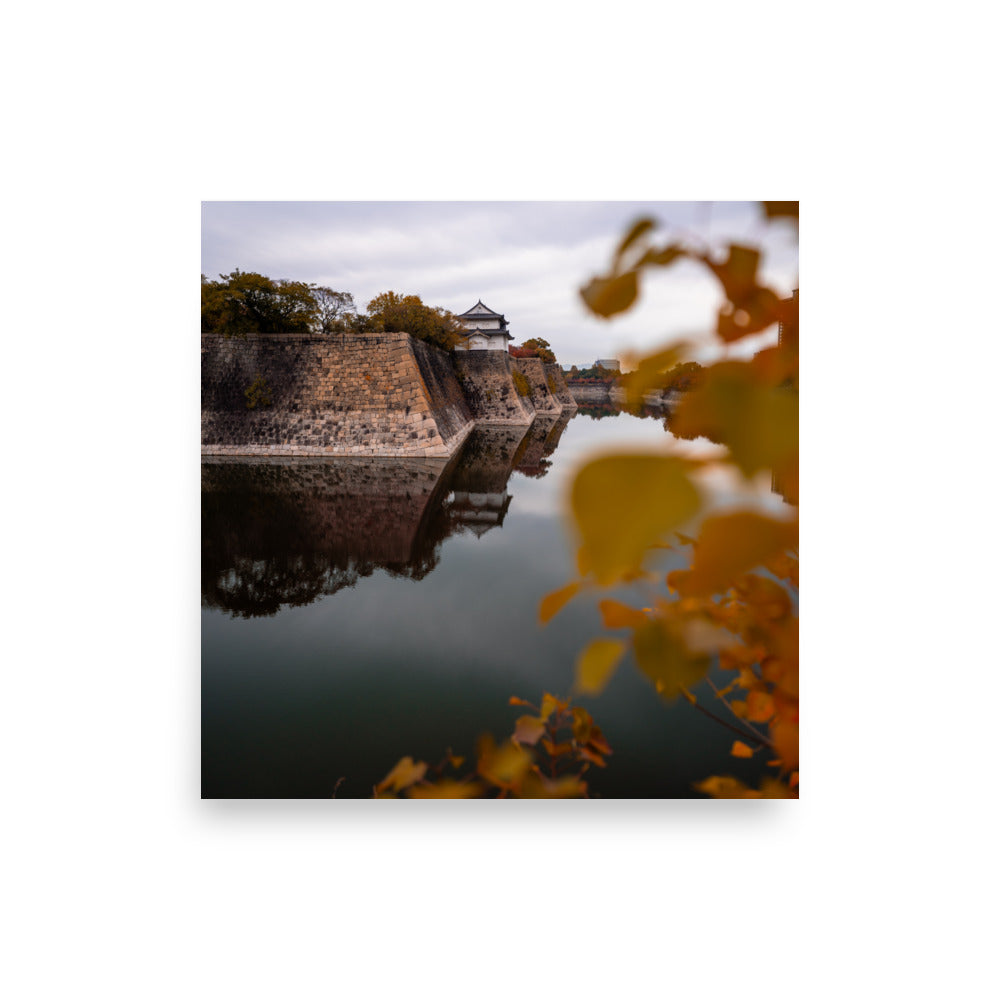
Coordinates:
<point>246,302</point>
<point>536,348</point>
<point>392,312</point>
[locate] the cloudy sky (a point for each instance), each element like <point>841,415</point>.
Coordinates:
<point>526,260</point>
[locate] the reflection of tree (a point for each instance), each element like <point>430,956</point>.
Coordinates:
<point>280,534</point>
<point>600,409</point>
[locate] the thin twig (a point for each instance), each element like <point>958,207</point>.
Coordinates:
<point>739,732</point>
<point>731,709</point>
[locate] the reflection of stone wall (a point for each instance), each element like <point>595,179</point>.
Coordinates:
<point>486,380</point>
<point>488,456</point>
<point>554,374</point>
<point>478,480</point>
<point>592,392</point>
<point>285,531</point>
<point>379,394</point>
<point>556,432</point>
<point>533,369</point>
<point>532,458</point>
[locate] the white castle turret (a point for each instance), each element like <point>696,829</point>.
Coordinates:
<point>487,329</point>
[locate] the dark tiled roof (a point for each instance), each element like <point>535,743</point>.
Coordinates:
<point>480,310</point>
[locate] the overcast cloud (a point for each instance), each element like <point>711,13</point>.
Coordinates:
<point>526,260</point>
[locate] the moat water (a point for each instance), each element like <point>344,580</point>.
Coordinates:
<point>357,611</point>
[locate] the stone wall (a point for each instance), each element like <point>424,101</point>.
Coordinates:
<point>489,387</point>
<point>533,369</point>
<point>378,394</point>
<point>554,376</point>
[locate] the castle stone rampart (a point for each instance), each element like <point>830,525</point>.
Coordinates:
<point>486,378</point>
<point>554,376</point>
<point>375,394</point>
<point>533,369</point>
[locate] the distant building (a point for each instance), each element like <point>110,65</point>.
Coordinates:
<point>487,329</point>
<point>610,364</point>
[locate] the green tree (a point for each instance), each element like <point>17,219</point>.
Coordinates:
<point>333,309</point>
<point>247,302</point>
<point>396,313</point>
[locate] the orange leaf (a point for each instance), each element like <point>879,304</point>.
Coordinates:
<point>447,789</point>
<point>594,758</point>
<point>731,545</point>
<point>552,704</point>
<point>404,774</point>
<point>785,737</point>
<point>618,615</point>
<point>607,296</point>
<point>553,603</point>
<point>740,749</point>
<point>503,765</point>
<point>781,209</point>
<point>529,729</point>
<point>725,787</point>
<point>760,706</point>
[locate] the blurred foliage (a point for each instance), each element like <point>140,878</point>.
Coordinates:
<point>547,756</point>
<point>735,604</point>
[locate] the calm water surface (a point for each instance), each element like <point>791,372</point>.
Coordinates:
<point>356,611</point>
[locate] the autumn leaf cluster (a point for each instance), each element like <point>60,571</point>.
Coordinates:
<point>734,605</point>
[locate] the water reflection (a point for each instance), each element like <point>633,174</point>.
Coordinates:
<point>294,702</point>
<point>542,440</point>
<point>285,532</point>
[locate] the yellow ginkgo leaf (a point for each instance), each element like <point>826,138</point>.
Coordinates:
<point>597,663</point>
<point>622,504</point>
<point>759,423</point>
<point>665,661</point>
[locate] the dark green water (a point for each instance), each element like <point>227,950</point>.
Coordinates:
<point>357,611</point>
